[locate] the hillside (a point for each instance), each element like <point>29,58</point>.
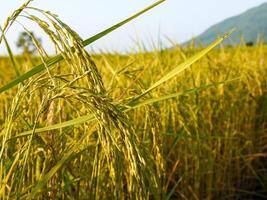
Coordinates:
<point>250,24</point>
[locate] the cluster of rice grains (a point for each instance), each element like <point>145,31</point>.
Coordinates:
<point>109,156</point>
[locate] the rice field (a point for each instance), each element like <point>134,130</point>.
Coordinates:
<point>178,123</point>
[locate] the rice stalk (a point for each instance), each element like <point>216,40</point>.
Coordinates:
<point>117,142</point>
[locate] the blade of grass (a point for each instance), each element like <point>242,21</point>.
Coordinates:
<point>185,64</point>
<point>131,106</point>
<point>75,149</point>
<point>86,42</point>
<point>134,105</point>
<point>80,120</point>
<point>11,56</point>
<point>173,189</point>
<point>42,182</point>
<point>9,174</point>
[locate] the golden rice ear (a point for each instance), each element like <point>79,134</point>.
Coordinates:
<point>117,143</point>
<point>12,18</point>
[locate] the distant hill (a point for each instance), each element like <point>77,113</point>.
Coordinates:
<point>250,24</point>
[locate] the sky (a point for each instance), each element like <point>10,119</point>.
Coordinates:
<point>176,20</point>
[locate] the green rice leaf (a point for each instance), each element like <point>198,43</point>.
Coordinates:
<point>11,56</point>
<point>129,107</point>
<point>59,58</point>
<point>75,150</point>
<point>185,64</point>
<point>135,105</point>
<point>80,120</point>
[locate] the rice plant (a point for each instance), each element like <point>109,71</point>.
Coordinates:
<point>171,124</point>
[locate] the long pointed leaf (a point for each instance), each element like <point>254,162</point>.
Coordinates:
<point>74,150</point>
<point>11,56</point>
<point>59,58</point>
<point>131,106</point>
<point>186,64</point>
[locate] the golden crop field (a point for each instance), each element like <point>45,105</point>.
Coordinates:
<point>180,123</point>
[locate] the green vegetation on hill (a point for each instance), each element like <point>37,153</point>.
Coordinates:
<point>250,25</point>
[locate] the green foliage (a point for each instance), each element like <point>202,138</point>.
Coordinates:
<point>26,44</point>
<point>250,25</point>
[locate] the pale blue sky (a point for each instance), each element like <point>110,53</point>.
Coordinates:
<point>179,20</point>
